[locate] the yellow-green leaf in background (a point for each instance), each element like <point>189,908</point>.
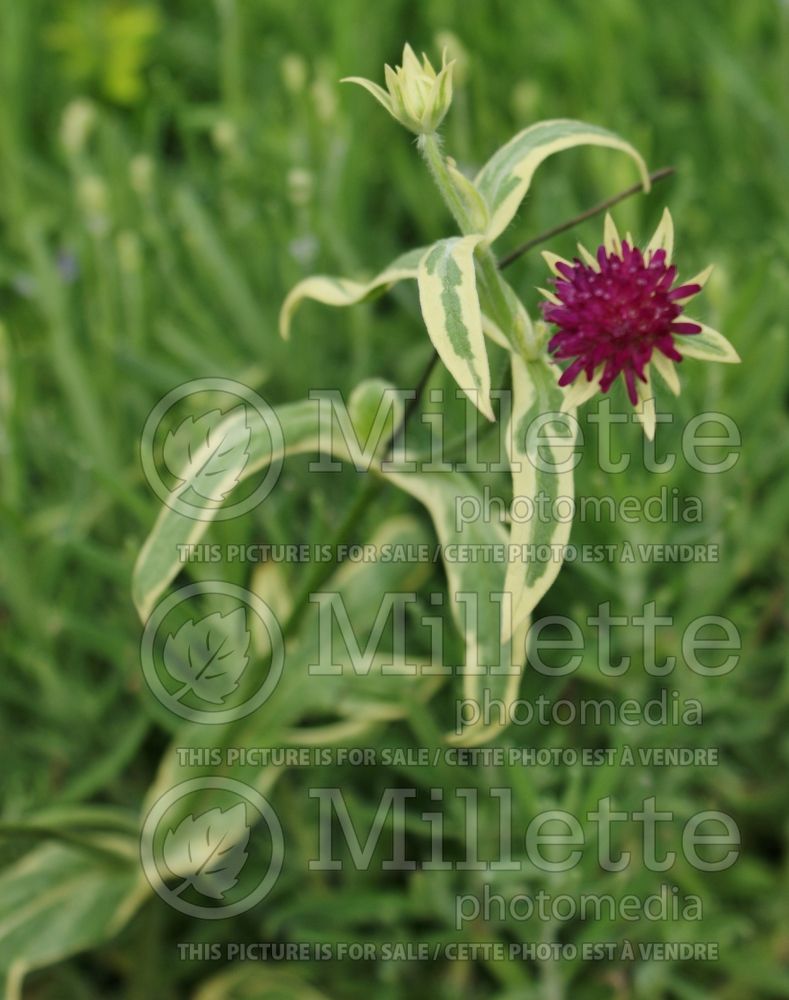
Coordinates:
<point>257,981</point>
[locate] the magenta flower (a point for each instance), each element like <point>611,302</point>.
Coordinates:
<point>621,311</point>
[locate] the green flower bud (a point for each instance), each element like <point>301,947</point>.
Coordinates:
<point>416,95</point>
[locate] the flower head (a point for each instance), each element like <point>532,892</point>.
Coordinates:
<point>416,95</point>
<point>620,312</point>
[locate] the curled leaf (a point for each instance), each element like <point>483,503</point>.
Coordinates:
<point>506,177</point>
<point>332,291</point>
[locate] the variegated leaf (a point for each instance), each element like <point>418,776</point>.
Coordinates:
<point>451,310</point>
<point>159,560</point>
<point>540,460</point>
<point>709,345</point>
<point>475,562</point>
<point>506,177</point>
<point>475,206</point>
<point>59,899</point>
<point>322,680</point>
<point>332,291</point>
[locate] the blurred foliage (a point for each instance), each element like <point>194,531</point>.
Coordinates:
<point>148,235</point>
<point>105,46</point>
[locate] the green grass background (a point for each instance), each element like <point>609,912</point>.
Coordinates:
<point>225,162</point>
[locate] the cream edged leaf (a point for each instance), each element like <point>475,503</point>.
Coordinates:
<point>587,257</point>
<point>541,465</point>
<point>377,91</point>
<point>549,296</point>
<point>708,345</point>
<point>611,239</point>
<point>662,239</point>
<point>701,278</point>
<point>552,260</point>
<point>451,311</point>
<point>580,391</point>
<point>645,407</point>
<point>492,667</point>
<point>667,370</point>
<point>333,291</point>
<point>505,179</point>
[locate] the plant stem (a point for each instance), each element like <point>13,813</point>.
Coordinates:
<point>430,148</point>
<point>411,405</point>
<point>655,177</point>
<point>320,571</point>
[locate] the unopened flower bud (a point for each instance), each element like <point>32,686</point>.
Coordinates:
<point>416,95</point>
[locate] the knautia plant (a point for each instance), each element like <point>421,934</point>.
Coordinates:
<point>620,311</point>
<point>616,312</point>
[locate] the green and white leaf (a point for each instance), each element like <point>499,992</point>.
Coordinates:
<point>348,698</point>
<point>372,414</point>
<point>663,238</point>
<point>667,370</point>
<point>451,310</point>
<point>645,409</point>
<point>159,560</point>
<point>476,591</point>
<point>59,900</point>
<point>354,436</point>
<point>506,177</point>
<point>709,345</point>
<point>475,206</point>
<point>333,291</point>
<point>535,392</point>
<point>581,390</point>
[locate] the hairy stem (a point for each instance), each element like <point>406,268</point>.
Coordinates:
<point>430,148</point>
